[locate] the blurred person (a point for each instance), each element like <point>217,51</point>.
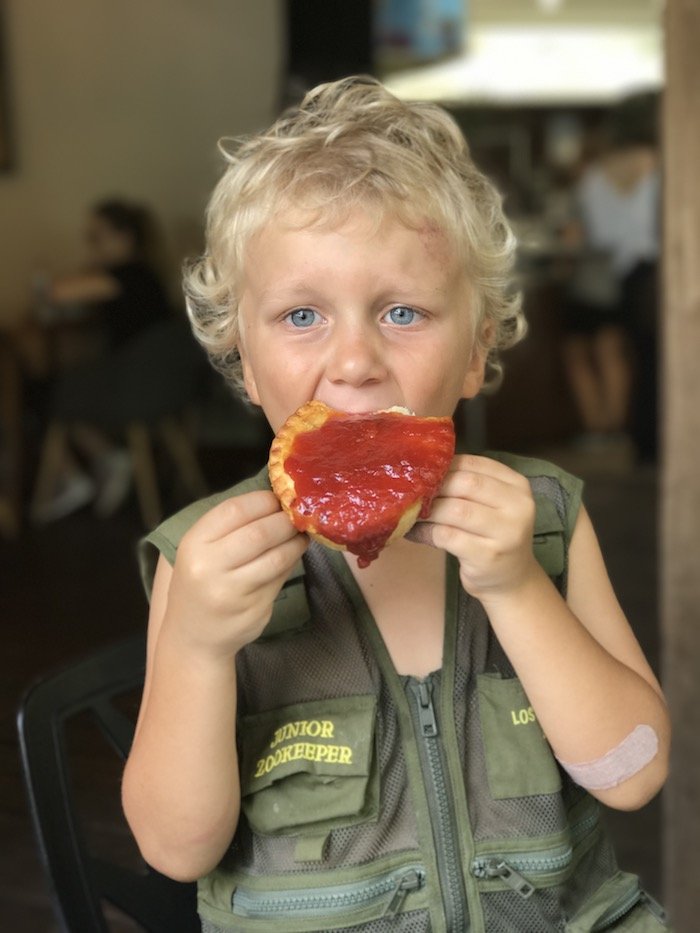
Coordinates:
<point>80,461</point>
<point>609,318</point>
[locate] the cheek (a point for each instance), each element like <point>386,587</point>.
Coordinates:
<point>283,383</point>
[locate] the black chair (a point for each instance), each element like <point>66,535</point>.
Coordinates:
<point>80,880</point>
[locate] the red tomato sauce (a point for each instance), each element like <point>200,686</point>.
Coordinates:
<point>357,474</point>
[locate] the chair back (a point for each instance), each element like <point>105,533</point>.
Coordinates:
<point>80,880</point>
<point>166,371</point>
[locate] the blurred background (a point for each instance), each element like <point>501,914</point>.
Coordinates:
<point>109,118</point>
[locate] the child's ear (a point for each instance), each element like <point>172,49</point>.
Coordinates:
<point>474,378</point>
<point>249,383</point>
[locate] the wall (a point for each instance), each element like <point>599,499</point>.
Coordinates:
<point>124,98</point>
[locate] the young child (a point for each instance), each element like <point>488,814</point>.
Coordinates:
<point>420,745</point>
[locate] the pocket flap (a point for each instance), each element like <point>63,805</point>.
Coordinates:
<point>310,767</point>
<point>332,738</point>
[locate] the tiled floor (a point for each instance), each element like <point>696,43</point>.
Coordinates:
<point>70,588</point>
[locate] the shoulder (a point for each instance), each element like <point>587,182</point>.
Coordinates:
<point>165,539</point>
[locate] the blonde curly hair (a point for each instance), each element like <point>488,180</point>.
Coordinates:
<point>351,143</point>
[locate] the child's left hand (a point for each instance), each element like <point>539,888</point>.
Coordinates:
<point>484,515</point>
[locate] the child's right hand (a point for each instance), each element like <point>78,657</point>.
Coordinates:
<point>230,566</point>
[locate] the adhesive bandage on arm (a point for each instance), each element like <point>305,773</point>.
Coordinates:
<point>633,753</point>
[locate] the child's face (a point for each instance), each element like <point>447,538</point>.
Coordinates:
<point>361,317</point>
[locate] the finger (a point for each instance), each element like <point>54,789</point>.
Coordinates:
<point>236,512</point>
<point>462,544</point>
<point>486,466</point>
<point>466,515</point>
<point>246,544</point>
<point>274,565</point>
<point>476,487</point>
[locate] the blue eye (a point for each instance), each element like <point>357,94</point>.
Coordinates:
<point>402,315</point>
<point>302,317</point>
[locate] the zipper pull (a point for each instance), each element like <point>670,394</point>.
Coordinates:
<point>423,690</point>
<point>498,868</point>
<point>411,881</point>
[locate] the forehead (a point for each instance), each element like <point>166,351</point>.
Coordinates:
<point>379,231</point>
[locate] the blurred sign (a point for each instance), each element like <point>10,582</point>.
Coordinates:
<point>417,32</point>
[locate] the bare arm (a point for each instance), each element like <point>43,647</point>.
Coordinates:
<point>579,662</point>
<point>83,288</point>
<point>181,791</point>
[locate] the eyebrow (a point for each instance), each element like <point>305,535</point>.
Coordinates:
<point>289,291</point>
<point>410,292</point>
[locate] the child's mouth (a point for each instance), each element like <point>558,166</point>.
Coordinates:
<point>363,407</point>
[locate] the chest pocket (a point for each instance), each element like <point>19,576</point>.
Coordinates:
<point>548,537</point>
<point>519,761</point>
<point>310,767</point>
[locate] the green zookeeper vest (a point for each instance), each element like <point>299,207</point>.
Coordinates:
<point>381,803</point>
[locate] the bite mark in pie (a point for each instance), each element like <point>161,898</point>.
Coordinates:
<point>357,482</point>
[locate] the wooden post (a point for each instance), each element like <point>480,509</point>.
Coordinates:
<point>680,556</point>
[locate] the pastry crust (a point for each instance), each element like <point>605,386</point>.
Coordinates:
<point>307,418</point>
<point>310,417</point>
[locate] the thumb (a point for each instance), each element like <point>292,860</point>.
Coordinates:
<point>422,533</point>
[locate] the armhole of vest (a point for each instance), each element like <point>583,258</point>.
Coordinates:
<point>148,551</point>
<point>574,489</point>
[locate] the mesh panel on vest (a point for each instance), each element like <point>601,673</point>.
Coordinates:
<point>505,912</point>
<point>414,921</point>
<point>329,659</point>
<point>595,867</point>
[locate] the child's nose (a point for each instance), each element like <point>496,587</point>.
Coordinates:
<point>356,357</point>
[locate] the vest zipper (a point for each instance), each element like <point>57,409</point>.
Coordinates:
<point>508,870</point>
<point>394,887</point>
<point>439,803</point>
<point>412,880</point>
<point>507,867</point>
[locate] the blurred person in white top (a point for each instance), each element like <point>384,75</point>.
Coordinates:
<point>609,318</point>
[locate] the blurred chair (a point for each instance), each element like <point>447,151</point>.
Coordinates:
<point>167,366</point>
<point>157,380</point>
<point>79,880</point>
